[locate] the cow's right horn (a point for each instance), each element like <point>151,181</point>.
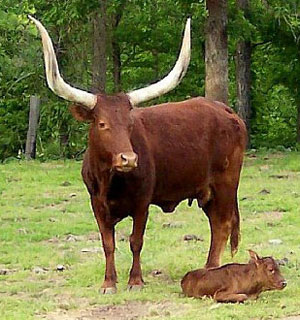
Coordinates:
<point>54,79</point>
<point>172,79</point>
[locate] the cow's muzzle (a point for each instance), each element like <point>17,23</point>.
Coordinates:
<point>126,161</point>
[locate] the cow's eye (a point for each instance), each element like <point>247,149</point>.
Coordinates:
<point>102,125</point>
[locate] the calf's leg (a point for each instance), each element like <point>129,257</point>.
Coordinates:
<point>223,296</point>
<point>136,243</point>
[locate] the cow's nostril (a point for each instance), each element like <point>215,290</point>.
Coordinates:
<point>124,159</point>
<point>129,159</point>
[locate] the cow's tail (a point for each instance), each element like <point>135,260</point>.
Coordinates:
<point>235,230</point>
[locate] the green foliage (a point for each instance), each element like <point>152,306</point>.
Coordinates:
<point>275,75</point>
<point>274,123</point>
<point>149,36</point>
<point>13,86</point>
<point>272,29</point>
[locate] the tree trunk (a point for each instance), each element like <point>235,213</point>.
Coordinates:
<point>298,119</point>
<point>99,48</point>
<point>116,51</point>
<point>34,114</point>
<point>64,137</point>
<point>156,64</point>
<point>216,51</point>
<point>243,74</point>
<point>116,55</point>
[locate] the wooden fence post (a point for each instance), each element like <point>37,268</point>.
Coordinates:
<point>34,115</point>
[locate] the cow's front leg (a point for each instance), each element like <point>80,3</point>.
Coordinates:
<point>108,242</point>
<point>107,231</point>
<point>136,243</point>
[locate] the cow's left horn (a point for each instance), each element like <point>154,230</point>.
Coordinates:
<point>172,79</point>
<point>54,79</point>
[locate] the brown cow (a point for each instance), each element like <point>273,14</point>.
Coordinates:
<point>158,155</point>
<point>235,282</point>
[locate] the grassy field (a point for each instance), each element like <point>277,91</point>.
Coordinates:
<point>46,221</point>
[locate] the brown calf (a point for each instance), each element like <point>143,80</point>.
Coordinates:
<point>235,282</point>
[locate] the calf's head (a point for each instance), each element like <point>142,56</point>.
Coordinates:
<point>109,116</point>
<point>268,273</point>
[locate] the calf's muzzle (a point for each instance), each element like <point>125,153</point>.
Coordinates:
<point>283,284</point>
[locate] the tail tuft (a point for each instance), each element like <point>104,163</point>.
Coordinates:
<point>235,233</point>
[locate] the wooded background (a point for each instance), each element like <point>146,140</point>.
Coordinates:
<point>119,45</point>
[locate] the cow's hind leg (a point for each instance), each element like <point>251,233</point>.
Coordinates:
<point>223,215</point>
<point>136,243</point>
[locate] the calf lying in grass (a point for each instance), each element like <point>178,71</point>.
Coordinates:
<point>234,282</point>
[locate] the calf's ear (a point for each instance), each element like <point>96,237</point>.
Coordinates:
<point>81,113</point>
<point>254,256</point>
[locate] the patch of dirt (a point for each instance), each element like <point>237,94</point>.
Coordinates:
<point>6,271</point>
<point>264,191</point>
<point>190,237</point>
<point>264,168</point>
<point>50,165</point>
<point>129,311</point>
<point>61,206</point>
<point>273,215</point>
<point>279,176</point>
<point>173,224</point>
<point>277,155</point>
<point>94,236</point>
<point>156,273</point>
<point>90,237</point>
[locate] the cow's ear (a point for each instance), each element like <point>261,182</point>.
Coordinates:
<point>81,113</point>
<point>254,257</point>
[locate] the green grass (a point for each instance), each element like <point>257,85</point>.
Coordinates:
<point>38,210</point>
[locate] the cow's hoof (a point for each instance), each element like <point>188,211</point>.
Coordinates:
<point>135,287</point>
<point>109,290</point>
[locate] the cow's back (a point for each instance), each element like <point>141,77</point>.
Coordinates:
<point>189,142</point>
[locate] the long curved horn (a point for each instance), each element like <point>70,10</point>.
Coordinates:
<point>172,79</point>
<point>54,79</point>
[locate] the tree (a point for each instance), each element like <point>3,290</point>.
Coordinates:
<point>243,73</point>
<point>99,47</point>
<point>116,17</point>
<point>216,51</point>
<point>141,46</point>
<point>276,68</point>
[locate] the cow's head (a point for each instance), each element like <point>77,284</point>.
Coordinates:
<point>110,130</point>
<point>109,116</point>
<point>268,273</point>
